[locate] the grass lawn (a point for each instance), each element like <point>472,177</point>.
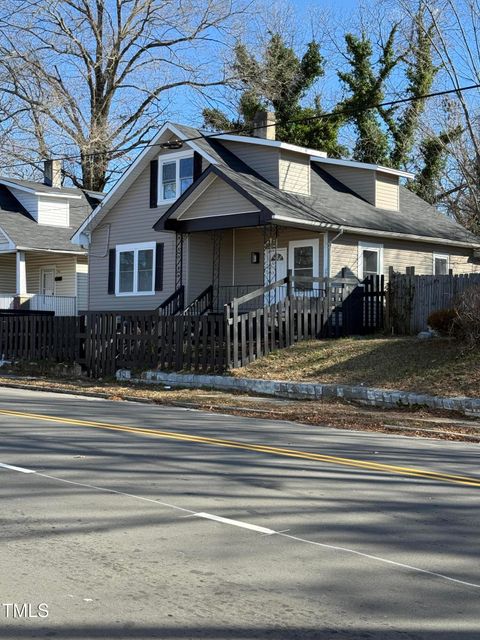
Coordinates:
<point>436,366</point>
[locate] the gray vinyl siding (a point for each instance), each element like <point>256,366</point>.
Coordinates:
<point>263,159</point>
<point>218,200</point>
<point>200,262</point>
<point>399,254</point>
<point>387,191</point>
<point>294,172</point>
<point>129,221</point>
<point>8,273</point>
<point>361,181</point>
<point>236,267</point>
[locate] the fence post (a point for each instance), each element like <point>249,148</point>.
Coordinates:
<point>235,333</point>
<point>289,283</point>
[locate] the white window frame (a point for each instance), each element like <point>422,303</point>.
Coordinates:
<point>310,242</point>
<point>138,246</point>
<point>369,246</point>
<point>167,159</point>
<point>441,256</point>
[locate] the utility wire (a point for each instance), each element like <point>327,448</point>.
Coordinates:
<point>331,114</point>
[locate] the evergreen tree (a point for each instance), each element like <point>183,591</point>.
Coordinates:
<point>366,81</point>
<point>420,73</point>
<point>280,81</point>
<point>434,153</point>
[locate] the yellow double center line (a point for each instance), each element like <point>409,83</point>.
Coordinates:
<point>259,448</point>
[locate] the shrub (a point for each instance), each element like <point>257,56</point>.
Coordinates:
<point>443,321</point>
<point>467,321</point>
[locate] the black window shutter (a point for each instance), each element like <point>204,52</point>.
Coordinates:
<point>159,267</point>
<point>197,165</point>
<point>153,184</point>
<point>112,255</point>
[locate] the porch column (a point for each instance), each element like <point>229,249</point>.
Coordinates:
<point>21,274</point>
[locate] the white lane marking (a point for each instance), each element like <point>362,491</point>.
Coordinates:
<point>12,468</point>
<point>264,530</point>
<point>235,523</point>
<point>379,559</point>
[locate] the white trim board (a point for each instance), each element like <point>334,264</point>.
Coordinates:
<point>276,144</point>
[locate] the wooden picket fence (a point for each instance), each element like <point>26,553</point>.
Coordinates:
<point>411,299</point>
<point>104,342</point>
<point>39,337</point>
<point>340,308</point>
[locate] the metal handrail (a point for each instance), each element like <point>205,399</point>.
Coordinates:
<point>173,304</point>
<point>202,303</point>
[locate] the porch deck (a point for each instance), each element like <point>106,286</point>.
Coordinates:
<point>59,305</point>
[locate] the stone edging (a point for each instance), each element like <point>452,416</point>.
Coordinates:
<point>313,391</point>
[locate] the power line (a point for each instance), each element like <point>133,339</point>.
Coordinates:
<point>331,114</point>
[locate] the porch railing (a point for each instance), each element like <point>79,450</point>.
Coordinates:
<point>59,305</point>
<point>173,304</point>
<point>202,303</point>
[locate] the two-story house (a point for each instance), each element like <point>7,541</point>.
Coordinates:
<point>234,213</point>
<point>40,268</point>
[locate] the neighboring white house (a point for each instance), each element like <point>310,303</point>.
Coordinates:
<point>40,268</point>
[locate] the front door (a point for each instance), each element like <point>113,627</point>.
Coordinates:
<point>278,270</point>
<point>47,281</point>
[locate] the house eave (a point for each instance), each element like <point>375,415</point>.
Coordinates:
<point>103,206</point>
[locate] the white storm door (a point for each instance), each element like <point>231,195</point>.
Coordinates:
<point>47,281</point>
<point>278,270</point>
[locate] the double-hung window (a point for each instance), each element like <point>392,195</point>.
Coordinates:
<point>441,264</point>
<point>135,269</point>
<point>175,175</point>
<point>370,259</point>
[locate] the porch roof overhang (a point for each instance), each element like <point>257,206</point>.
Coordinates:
<point>260,214</point>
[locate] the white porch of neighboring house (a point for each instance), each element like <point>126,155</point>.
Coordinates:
<point>43,281</point>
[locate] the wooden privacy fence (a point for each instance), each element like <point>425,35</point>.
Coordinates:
<point>411,299</point>
<point>114,340</point>
<point>39,337</point>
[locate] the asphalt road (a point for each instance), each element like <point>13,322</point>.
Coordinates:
<point>157,522</point>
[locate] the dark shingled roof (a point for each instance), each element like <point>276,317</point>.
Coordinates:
<point>331,202</point>
<point>22,229</point>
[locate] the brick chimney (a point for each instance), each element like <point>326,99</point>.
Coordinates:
<point>52,173</point>
<point>264,123</point>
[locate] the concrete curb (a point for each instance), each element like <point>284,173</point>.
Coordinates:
<point>370,396</point>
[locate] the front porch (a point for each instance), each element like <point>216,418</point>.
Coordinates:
<point>215,267</point>
<point>32,281</point>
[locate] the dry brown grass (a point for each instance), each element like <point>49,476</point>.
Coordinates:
<point>313,414</point>
<point>436,367</point>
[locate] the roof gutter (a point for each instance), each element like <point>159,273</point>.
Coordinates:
<point>375,232</point>
<point>411,236</point>
<point>68,253</point>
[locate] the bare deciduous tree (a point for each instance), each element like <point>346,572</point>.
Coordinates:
<point>91,78</point>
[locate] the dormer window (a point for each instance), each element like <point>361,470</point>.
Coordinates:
<point>175,175</point>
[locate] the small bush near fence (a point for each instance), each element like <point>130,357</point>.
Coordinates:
<point>443,321</point>
<point>467,321</point>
